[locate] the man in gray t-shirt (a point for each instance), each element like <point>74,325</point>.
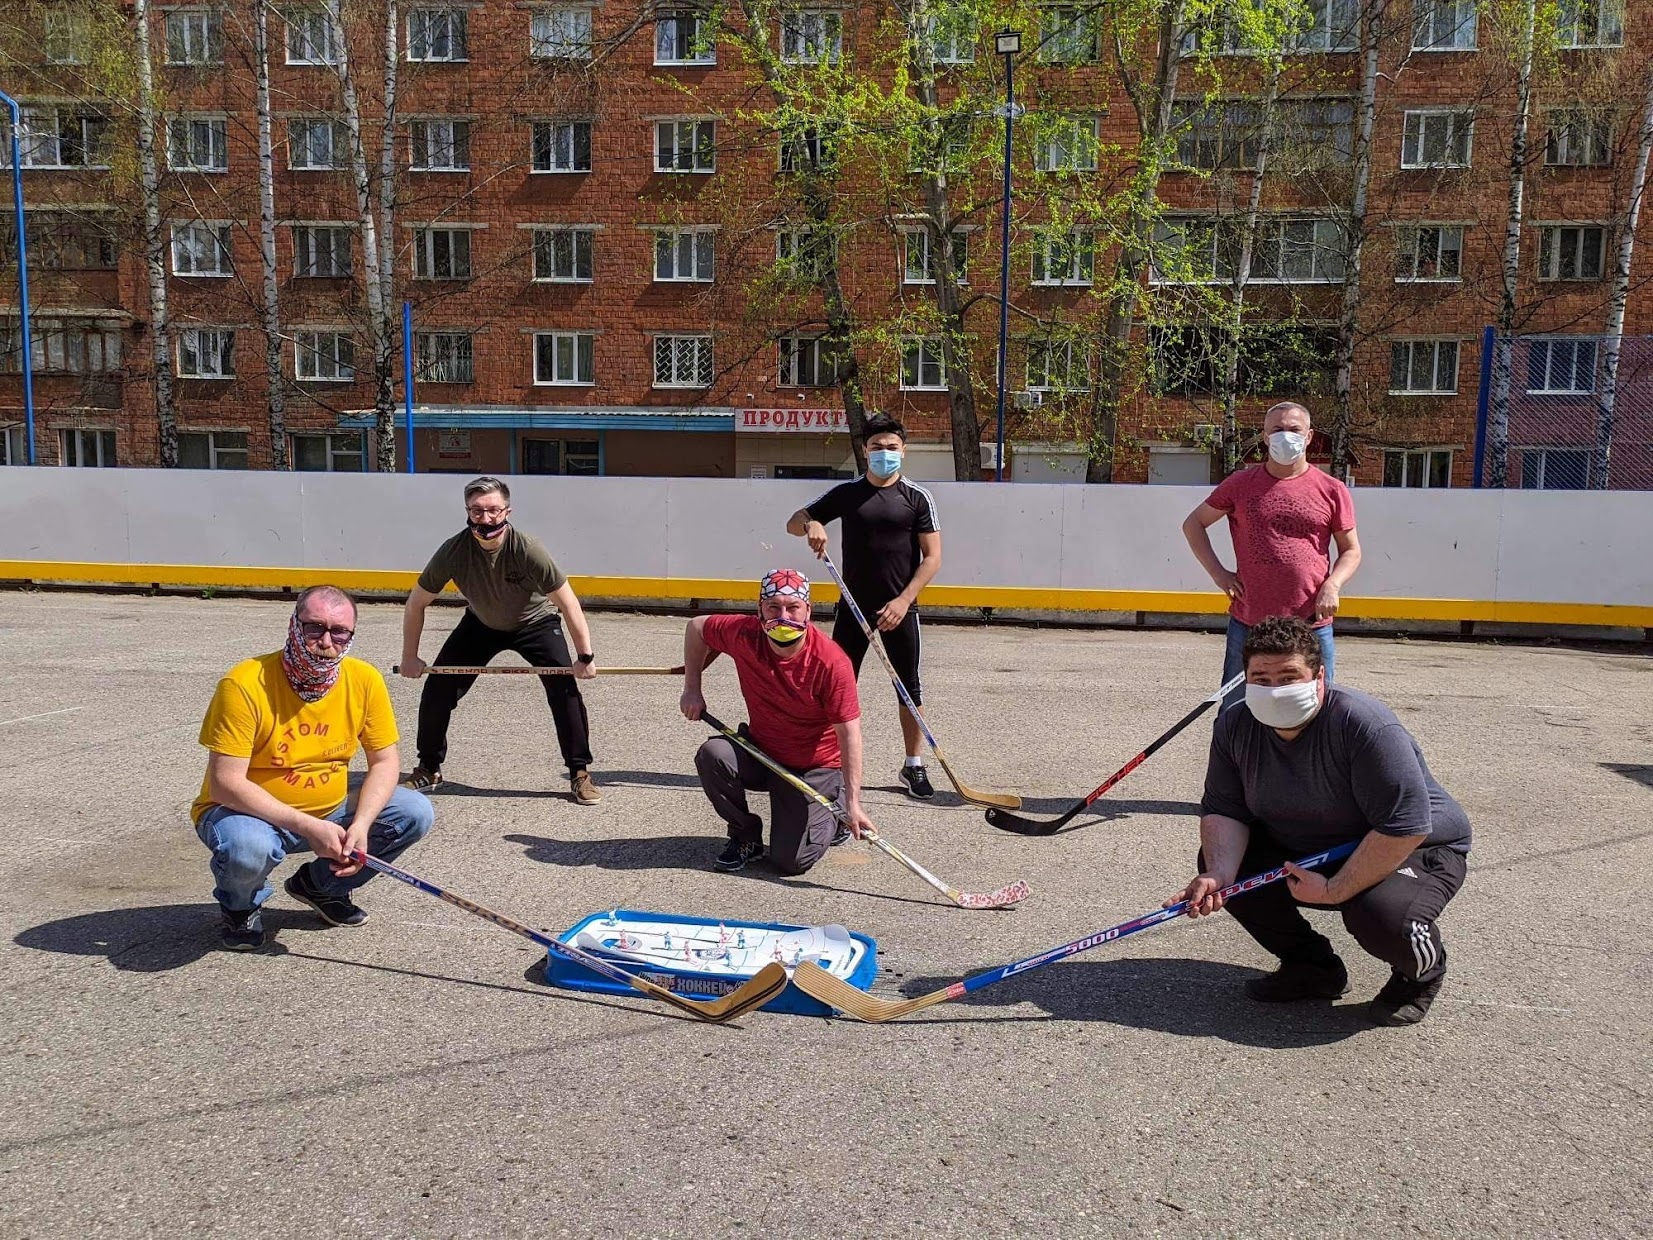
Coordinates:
<point>1306,768</point>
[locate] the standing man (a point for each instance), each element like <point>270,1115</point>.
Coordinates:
<point>892,550</point>
<point>1282,515</point>
<point>800,696</point>
<point>514,593</point>
<point>1307,767</point>
<point>280,733</point>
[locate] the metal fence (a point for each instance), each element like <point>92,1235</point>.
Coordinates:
<point>1565,413</point>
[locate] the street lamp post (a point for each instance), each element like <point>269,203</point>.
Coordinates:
<point>1008,43</point>
<point>27,344</point>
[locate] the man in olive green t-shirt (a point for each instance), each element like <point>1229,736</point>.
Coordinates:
<point>514,593</point>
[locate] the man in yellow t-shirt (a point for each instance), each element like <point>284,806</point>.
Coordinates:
<point>280,732</point>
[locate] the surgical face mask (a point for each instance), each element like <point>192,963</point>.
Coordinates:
<point>784,633</point>
<point>1284,706</point>
<point>883,461</point>
<point>1287,447</point>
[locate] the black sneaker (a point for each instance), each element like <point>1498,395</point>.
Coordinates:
<point>334,910</point>
<point>735,855</point>
<point>1403,1002</point>
<point>918,782</point>
<point>840,836</point>
<point>242,932</point>
<point>1294,980</point>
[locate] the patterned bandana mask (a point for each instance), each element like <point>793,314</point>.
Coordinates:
<point>784,583</point>
<point>310,675</point>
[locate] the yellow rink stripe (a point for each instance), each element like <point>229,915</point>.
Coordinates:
<point>684,589</point>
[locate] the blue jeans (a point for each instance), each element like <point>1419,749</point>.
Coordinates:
<point>245,849</point>
<point>1234,664</point>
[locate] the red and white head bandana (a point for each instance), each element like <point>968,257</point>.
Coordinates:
<point>784,583</point>
<point>310,675</point>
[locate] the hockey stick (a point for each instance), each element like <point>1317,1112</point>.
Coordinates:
<point>764,985</point>
<point>512,670</point>
<point>816,981</point>
<point>1002,898</point>
<point>1027,826</point>
<point>1002,799</point>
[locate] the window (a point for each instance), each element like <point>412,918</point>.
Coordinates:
<point>806,362</point>
<point>1067,35</point>
<point>811,36</point>
<point>326,357</point>
<point>562,146</point>
<point>1331,27</point>
<point>63,242</point>
<point>682,361</point>
<point>441,146</point>
<point>91,448</point>
<point>1204,250</point>
<point>685,146</point>
<point>560,33</point>
<point>1299,251</point>
<point>1555,469</point>
<point>805,254</point>
<point>806,150</point>
<point>1417,467</point>
<point>945,148</point>
<point>442,253</point>
<point>13,451</point>
<point>576,457</point>
<point>198,143</point>
<point>923,365</point>
<point>684,254</point>
<point>62,346</point>
<point>1068,144</point>
<point>1423,366</point>
<point>1571,251</point>
<point>1057,366</point>
<point>1578,139</point>
<point>63,138</point>
<point>1590,23</point>
<point>1429,252</point>
<point>194,37</point>
<point>922,251</point>
<point>1228,133</point>
<point>212,449</point>
<point>1275,360</point>
<point>1561,367</point>
<point>339,453</point>
<point>444,357</point>
<point>311,38</point>
<point>1436,139</point>
<point>1443,25</point>
<point>67,35</point>
<point>1064,257</point>
<point>684,37</point>
<point>321,251</point>
<point>200,248</point>
<point>438,34</point>
<point>317,144</point>
<point>206,353</point>
<point>563,255</point>
<point>564,357</point>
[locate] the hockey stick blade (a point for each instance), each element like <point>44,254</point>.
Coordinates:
<point>764,985</point>
<point>817,982</point>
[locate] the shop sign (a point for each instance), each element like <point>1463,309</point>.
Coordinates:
<point>795,421</point>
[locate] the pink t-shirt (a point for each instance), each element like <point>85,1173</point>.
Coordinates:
<point>793,703</point>
<point>1282,530</point>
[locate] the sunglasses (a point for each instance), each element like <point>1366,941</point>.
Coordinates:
<point>314,632</point>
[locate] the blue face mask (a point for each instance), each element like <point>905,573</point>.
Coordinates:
<point>883,461</point>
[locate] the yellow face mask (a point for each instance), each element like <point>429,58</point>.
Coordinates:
<point>784,634</point>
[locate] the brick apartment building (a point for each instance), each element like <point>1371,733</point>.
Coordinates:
<point>586,193</point>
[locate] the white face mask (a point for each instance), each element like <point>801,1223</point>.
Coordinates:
<point>1284,706</point>
<point>1287,447</point>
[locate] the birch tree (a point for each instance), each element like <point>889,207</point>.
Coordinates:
<point>269,305</point>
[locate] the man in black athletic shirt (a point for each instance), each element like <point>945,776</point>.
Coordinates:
<point>891,549</point>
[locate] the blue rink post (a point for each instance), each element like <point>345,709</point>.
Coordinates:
<point>686,980</point>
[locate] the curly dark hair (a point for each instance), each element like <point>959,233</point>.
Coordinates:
<point>1283,635</point>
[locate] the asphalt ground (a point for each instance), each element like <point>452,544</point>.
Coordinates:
<point>414,1077</point>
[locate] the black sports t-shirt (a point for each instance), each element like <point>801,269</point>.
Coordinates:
<point>881,529</point>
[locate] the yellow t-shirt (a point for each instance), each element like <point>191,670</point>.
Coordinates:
<point>299,752</point>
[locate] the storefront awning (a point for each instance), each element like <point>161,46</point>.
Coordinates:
<point>551,418</point>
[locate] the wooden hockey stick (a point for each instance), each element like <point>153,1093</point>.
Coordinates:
<point>512,670</point>
<point>764,985</point>
<point>816,981</point>
<point>1004,897</point>
<point>1002,800</point>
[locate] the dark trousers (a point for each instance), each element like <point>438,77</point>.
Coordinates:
<point>903,644</point>
<point>1393,920</point>
<point>474,644</point>
<point>800,828</point>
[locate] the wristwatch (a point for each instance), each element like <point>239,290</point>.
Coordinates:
<point>587,658</point>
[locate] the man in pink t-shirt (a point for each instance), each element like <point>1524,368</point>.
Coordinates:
<point>1283,516</point>
<point>800,693</point>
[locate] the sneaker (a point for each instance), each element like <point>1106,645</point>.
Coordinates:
<point>918,782</point>
<point>585,792</point>
<point>334,910</point>
<point>840,836</point>
<point>423,779</point>
<point>1403,1002</point>
<point>1294,980</point>
<point>735,855</point>
<point>242,932</point>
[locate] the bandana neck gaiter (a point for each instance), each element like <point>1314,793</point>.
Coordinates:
<point>310,675</point>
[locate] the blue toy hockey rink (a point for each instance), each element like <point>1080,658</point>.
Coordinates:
<point>704,958</point>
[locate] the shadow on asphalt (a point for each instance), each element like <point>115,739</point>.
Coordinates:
<point>157,938</point>
<point>557,787</point>
<point>1641,774</point>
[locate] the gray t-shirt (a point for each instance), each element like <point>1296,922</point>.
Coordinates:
<point>1355,768</point>
<point>506,589</point>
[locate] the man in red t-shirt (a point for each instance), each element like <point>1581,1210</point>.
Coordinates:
<point>1283,516</point>
<point>800,693</point>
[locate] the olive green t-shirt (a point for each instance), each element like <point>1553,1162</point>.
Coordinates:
<point>505,588</point>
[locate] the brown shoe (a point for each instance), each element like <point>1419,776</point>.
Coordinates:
<point>422,780</point>
<point>585,792</point>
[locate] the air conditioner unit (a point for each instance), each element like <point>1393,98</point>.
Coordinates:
<point>990,456</point>
<point>1027,400</point>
